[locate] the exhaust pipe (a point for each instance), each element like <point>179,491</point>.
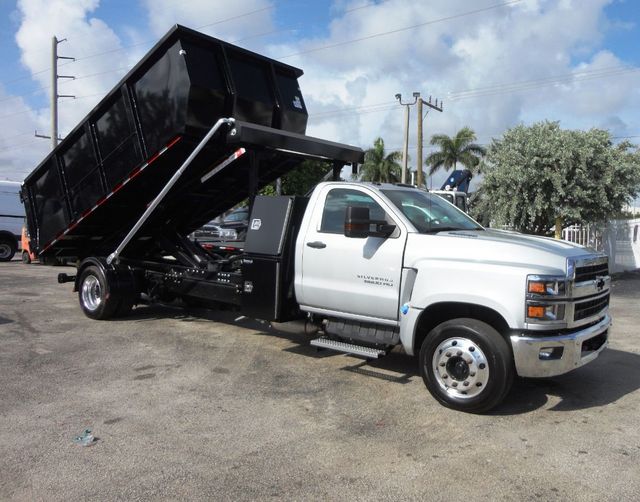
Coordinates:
<point>297,327</point>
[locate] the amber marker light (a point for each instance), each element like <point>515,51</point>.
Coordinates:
<point>537,287</point>
<point>535,312</point>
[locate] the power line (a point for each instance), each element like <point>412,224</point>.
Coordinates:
<point>89,56</point>
<point>351,108</point>
<point>398,30</point>
<point>31,93</point>
<point>16,136</point>
<point>537,83</point>
<point>15,147</point>
<point>150,42</point>
<point>544,79</point>
<point>455,16</point>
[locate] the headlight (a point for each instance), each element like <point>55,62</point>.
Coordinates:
<point>537,311</point>
<point>546,285</point>
<point>543,293</point>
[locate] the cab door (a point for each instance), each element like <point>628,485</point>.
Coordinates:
<point>359,276</point>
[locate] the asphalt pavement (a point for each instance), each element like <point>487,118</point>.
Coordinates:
<point>203,405</point>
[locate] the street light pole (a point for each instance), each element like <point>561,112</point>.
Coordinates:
<point>434,106</point>
<point>405,150</point>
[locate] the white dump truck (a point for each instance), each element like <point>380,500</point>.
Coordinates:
<point>368,267</point>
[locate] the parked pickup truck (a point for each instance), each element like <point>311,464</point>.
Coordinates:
<point>365,267</point>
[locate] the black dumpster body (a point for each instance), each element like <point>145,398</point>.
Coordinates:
<point>88,192</point>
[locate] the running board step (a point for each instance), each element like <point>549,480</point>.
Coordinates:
<point>349,348</point>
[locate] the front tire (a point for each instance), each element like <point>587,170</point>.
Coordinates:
<point>26,258</point>
<point>95,296</point>
<point>466,365</point>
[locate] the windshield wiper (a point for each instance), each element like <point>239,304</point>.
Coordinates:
<point>451,229</point>
<point>442,229</point>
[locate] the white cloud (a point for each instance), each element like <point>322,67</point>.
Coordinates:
<point>523,42</point>
<point>19,150</point>
<point>445,52</point>
<point>220,18</point>
<point>39,21</point>
<point>86,36</point>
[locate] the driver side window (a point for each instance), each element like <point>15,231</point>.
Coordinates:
<point>335,209</point>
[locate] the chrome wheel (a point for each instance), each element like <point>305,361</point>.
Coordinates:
<point>460,367</point>
<point>91,293</point>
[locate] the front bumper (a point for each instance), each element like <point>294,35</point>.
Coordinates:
<point>545,356</point>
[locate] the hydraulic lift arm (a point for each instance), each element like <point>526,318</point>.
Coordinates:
<point>155,202</point>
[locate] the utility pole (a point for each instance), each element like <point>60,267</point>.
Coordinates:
<point>54,90</point>
<point>434,106</point>
<point>405,150</point>
<point>419,146</point>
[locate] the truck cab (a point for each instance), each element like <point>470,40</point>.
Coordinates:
<point>529,305</point>
<point>458,199</point>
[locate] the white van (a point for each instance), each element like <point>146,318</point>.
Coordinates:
<point>11,219</point>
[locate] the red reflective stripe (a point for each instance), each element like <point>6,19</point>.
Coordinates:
<point>174,141</point>
<point>102,200</point>
<point>155,156</point>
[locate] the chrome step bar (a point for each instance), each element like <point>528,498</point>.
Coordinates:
<point>348,348</point>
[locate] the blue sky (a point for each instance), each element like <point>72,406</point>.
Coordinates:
<point>495,64</point>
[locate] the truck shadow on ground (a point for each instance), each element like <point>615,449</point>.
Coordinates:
<point>609,378</point>
<point>612,376</point>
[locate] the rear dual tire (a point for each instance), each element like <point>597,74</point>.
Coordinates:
<point>97,298</point>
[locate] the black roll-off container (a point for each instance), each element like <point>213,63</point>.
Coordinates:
<point>192,130</point>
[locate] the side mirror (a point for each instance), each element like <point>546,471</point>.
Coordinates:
<point>358,223</point>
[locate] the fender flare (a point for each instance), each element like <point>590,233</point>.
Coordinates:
<point>121,281</point>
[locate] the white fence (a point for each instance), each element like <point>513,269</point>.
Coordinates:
<point>619,239</point>
<point>588,235</point>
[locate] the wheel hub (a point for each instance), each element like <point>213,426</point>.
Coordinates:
<point>457,368</point>
<point>91,293</point>
<point>460,367</point>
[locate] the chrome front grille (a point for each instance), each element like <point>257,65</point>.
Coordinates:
<point>590,272</point>
<point>588,308</point>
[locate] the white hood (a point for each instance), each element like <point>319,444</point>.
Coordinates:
<point>545,254</point>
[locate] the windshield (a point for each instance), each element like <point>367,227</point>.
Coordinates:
<point>430,213</point>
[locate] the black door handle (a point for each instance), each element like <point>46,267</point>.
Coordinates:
<point>316,245</point>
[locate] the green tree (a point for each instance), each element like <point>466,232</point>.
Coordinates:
<point>460,148</point>
<point>301,180</point>
<point>380,166</point>
<point>538,177</point>
<point>304,178</point>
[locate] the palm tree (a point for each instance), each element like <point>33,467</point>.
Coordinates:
<point>460,148</point>
<point>378,166</point>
